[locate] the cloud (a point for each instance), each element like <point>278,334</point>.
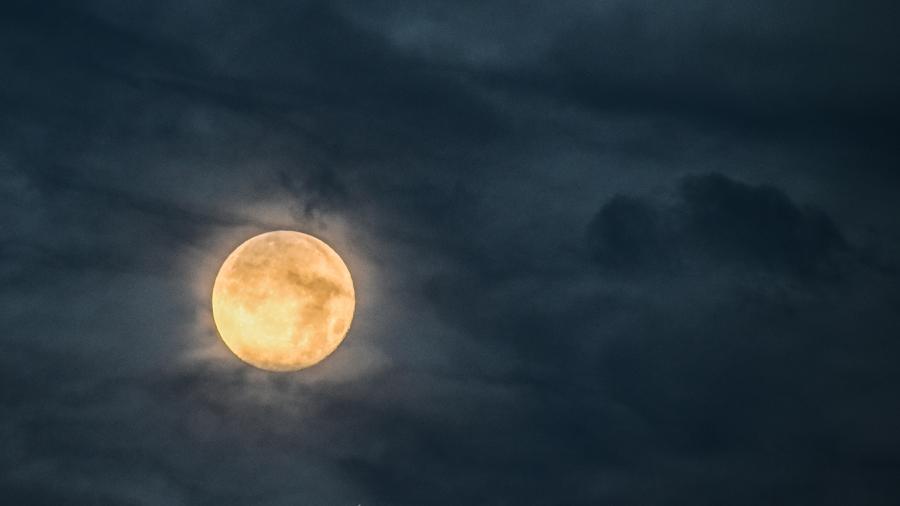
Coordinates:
<point>627,235</point>
<point>759,226</point>
<point>721,220</point>
<point>709,345</point>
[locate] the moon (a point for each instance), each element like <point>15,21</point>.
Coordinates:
<point>283,301</point>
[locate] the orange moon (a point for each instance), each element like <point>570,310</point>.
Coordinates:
<point>283,301</point>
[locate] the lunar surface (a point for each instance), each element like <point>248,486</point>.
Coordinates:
<point>283,301</point>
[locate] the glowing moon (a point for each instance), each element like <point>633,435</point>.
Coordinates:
<point>283,301</point>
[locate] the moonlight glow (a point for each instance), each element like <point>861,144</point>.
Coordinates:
<point>283,301</point>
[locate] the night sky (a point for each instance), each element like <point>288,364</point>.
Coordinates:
<point>618,252</point>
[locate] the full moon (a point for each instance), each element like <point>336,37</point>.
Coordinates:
<point>283,301</point>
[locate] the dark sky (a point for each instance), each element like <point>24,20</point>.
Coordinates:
<point>624,252</point>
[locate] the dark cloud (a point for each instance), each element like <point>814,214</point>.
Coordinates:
<point>721,220</point>
<point>628,235</point>
<point>762,69</point>
<point>759,226</point>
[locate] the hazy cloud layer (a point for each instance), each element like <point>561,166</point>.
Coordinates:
<point>616,252</point>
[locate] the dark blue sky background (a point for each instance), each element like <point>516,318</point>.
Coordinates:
<point>620,252</point>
